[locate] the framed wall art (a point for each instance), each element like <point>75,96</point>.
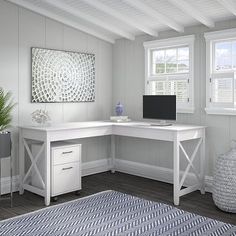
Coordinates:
<point>62,76</point>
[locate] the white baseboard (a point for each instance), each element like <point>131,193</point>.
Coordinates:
<point>6,183</point>
<point>129,167</point>
<point>88,168</point>
<point>94,167</point>
<point>156,173</point>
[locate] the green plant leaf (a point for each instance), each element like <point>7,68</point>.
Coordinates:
<point>6,106</point>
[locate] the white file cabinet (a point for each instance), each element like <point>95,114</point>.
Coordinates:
<point>65,168</point>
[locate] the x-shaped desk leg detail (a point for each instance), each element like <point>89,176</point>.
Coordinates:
<point>34,163</point>
<point>190,163</point>
<point>178,184</point>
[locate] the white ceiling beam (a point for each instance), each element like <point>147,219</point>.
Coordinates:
<point>193,12</point>
<point>230,6</point>
<point>121,17</point>
<point>63,20</point>
<point>149,11</point>
<point>96,21</point>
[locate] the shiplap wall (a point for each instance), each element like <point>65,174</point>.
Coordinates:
<point>20,30</point>
<point>128,88</point>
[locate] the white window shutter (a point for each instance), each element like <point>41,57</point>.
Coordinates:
<point>172,85</point>
<point>222,90</point>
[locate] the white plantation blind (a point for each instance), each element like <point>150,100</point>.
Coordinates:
<point>171,86</point>
<point>169,69</point>
<point>223,90</point>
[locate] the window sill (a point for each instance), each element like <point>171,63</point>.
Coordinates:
<point>189,110</point>
<point>221,111</point>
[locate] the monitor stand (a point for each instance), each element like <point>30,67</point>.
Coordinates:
<point>161,123</point>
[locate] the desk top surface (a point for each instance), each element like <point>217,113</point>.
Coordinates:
<point>94,124</point>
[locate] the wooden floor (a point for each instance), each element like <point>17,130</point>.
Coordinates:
<point>138,186</point>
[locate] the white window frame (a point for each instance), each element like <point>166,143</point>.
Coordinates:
<point>172,43</point>
<point>211,38</point>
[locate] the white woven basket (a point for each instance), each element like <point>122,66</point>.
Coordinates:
<point>224,184</point>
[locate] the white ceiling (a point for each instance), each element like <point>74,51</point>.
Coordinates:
<point>113,19</point>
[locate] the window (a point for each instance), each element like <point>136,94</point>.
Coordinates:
<point>169,70</point>
<point>221,72</point>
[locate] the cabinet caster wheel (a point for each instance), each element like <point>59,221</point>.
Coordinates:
<point>77,193</point>
<point>54,199</point>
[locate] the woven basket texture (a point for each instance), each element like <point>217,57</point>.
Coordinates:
<point>224,184</point>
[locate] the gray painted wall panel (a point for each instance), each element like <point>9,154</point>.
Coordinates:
<point>128,87</point>
<point>9,62</point>
<point>22,29</point>
<point>119,77</point>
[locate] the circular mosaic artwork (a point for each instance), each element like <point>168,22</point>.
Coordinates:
<point>59,76</point>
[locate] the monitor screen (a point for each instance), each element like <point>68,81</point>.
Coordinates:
<point>161,107</point>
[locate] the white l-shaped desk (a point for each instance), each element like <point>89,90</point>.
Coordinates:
<point>67,131</point>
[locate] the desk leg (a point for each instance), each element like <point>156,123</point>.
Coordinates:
<point>203,163</point>
<point>47,173</point>
<point>113,153</point>
<point>176,171</point>
<point>21,162</point>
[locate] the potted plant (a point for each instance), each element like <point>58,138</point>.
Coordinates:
<point>6,106</point>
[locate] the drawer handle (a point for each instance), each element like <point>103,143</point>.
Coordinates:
<point>67,168</point>
<point>67,152</point>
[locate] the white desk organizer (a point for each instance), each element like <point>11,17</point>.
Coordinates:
<point>120,119</point>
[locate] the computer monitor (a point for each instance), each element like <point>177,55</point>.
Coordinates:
<point>160,107</point>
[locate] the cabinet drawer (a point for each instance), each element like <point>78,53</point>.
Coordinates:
<point>65,154</point>
<point>65,178</point>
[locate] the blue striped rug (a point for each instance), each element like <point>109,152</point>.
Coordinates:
<point>113,213</point>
